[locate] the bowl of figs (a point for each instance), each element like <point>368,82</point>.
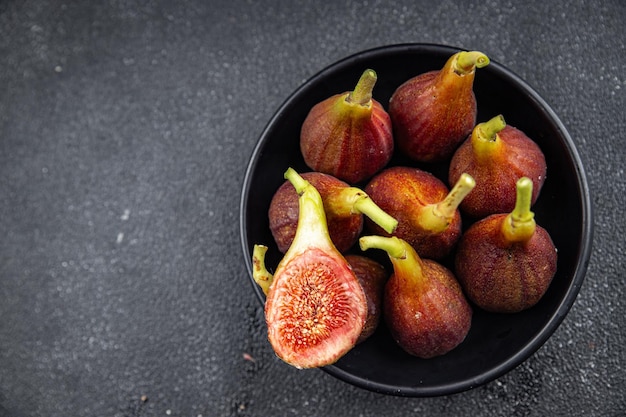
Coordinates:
<point>415,220</point>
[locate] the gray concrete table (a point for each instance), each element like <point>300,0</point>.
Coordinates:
<point>124,135</point>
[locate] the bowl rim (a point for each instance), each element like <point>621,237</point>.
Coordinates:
<point>583,256</point>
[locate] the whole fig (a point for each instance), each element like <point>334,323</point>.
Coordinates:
<point>348,135</point>
<point>434,112</point>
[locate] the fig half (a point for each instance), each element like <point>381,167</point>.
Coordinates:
<point>315,307</point>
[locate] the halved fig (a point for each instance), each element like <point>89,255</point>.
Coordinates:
<point>315,307</point>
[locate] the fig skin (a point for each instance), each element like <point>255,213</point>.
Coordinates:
<point>496,167</point>
<point>403,192</point>
<point>348,135</point>
<point>423,305</point>
<point>506,262</point>
<point>372,276</point>
<point>344,206</point>
<point>315,307</point>
<point>434,112</point>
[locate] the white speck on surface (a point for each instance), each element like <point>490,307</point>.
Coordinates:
<point>126,215</point>
<point>120,237</point>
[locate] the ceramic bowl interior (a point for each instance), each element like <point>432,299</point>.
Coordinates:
<point>496,343</point>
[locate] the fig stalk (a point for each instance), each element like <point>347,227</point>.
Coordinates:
<point>485,137</point>
<point>437,217</point>
<point>260,274</point>
<point>362,93</point>
<point>358,202</point>
<point>468,61</point>
<point>519,225</point>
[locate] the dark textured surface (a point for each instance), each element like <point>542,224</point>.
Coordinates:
<point>124,136</point>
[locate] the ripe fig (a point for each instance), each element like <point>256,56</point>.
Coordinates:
<point>348,135</point>
<point>434,112</point>
<point>344,206</point>
<point>424,306</point>
<point>506,262</point>
<point>497,155</point>
<point>315,308</point>
<point>372,276</point>
<point>426,211</point>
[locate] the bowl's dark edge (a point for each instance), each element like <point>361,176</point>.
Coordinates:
<point>584,252</point>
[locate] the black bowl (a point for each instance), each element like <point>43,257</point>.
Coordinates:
<point>496,343</point>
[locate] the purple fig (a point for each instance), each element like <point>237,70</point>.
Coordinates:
<point>348,135</point>
<point>426,211</point>
<point>424,306</point>
<point>496,156</point>
<point>506,262</point>
<point>372,276</point>
<point>434,112</point>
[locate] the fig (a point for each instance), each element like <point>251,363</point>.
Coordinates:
<point>348,135</point>
<point>424,306</point>
<point>434,112</point>
<point>506,262</point>
<point>315,307</point>
<point>496,155</point>
<point>344,207</point>
<point>372,276</point>
<point>426,211</point>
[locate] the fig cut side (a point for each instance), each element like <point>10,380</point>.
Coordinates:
<point>311,314</point>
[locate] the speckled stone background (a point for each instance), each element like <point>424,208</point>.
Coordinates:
<point>125,130</point>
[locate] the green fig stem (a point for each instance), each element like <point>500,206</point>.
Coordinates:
<point>260,274</point>
<point>519,225</point>
<point>362,93</point>
<point>468,61</point>
<point>299,183</point>
<point>353,200</point>
<point>485,137</point>
<point>406,262</point>
<point>392,245</point>
<point>437,217</point>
